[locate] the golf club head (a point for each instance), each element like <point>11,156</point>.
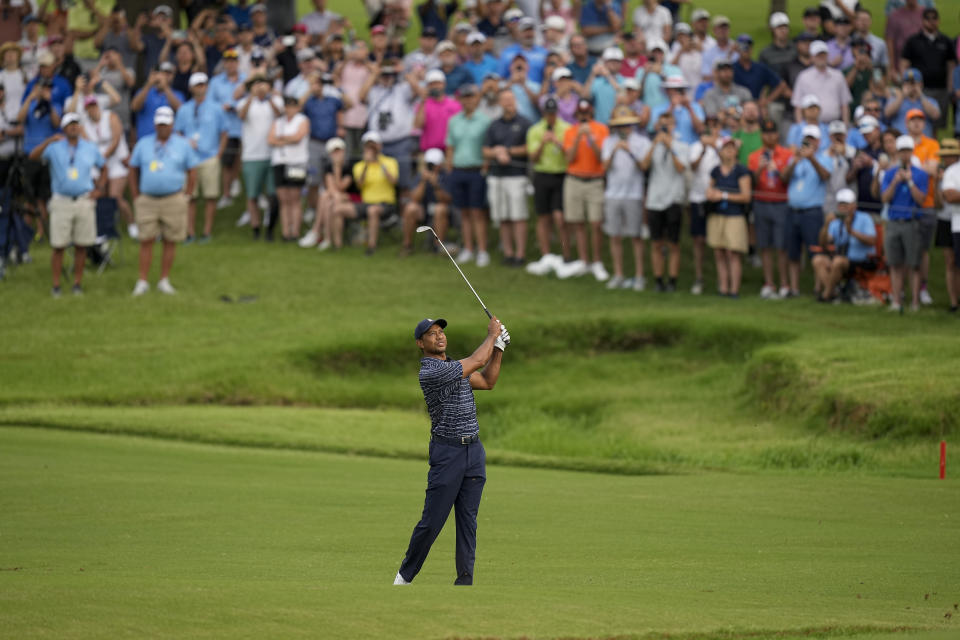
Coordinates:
<point>423,228</point>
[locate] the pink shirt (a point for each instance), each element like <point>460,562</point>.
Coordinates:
<point>901,24</point>
<point>351,81</point>
<point>436,114</point>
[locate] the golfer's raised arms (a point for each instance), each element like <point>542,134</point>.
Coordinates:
<point>479,358</point>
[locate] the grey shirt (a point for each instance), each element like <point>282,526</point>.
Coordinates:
<point>666,186</point>
<point>716,99</point>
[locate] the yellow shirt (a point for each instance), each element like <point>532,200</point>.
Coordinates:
<point>376,188</point>
<point>81,18</point>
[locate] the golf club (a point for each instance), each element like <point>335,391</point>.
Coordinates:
<point>430,229</point>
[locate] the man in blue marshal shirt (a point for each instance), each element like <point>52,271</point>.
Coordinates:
<point>73,219</point>
<point>162,174</point>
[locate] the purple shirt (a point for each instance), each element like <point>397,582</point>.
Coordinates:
<point>436,114</point>
<point>845,53</point>
<point>566,107</point>
<point>829,86</point>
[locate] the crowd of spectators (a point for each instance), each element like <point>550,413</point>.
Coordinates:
<point>817,151</point>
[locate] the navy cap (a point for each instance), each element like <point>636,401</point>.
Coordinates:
<point>425,324</point>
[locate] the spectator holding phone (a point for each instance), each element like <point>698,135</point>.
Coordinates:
<point>846,241</point>
<point>730,193</point>
<point>429,201</point>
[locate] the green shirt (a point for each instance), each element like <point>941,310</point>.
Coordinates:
<point>749,142</point>
<point>552,160</point>
<point>79,17</point>
<point>465,135</point>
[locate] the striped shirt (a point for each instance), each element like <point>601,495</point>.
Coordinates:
<point>449,398</point>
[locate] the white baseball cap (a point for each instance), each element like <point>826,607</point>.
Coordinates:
<point>868,124</point>
<point>846,196</point>
<point>612,53</point>
<point>682,27</point>
<point>675,82</point>
<point>699,14</point>
<point>433,156</point>
<point>371,136</point>
<point>904,142</point>
<point>557,23</point>
<point>817,47</point>
<point>163,115</point>
<point>809,100</point>
<point>811,131</point>
<point>334,144</point>
<point>630,83</point>
<point>779,19</point>
<point>70,118</point>
<point>445,45</point>
<point>512,14</point>
<point>435,75</point>
<point>476,37</point>
<point>657,44</point>
<point>837,126</point>
<point>561,72</point>
<point>197,78</point>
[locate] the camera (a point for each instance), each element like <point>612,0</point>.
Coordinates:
<point>384,120</point>
<point>431,167</point>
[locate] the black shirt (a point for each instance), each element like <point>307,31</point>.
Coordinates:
<point>864,178</point>
<point>508,133</point>
<point>930,57</point>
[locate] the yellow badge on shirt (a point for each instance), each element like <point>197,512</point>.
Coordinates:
<point>72,173</point>
<point>154,165</point>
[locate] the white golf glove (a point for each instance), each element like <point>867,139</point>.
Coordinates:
<point>503,339</point>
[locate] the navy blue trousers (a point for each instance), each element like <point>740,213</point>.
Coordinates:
<point>455,480</point>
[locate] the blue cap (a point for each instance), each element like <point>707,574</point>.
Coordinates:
<point>912,75</point>
<point>425,324</point>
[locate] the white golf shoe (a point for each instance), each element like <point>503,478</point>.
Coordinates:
<point>465,256</point>
<point>140,288</point>
<point>573,269</point>
<point>133,231</point>
<point>244,219</point>
<point>224,202</point>
<point>543,266</point>
<point>599,272</point>
<point>616,282</point>
<point>483,259</point>
<point>308,240</point>
<point>399,580</point>
<point>164,286</point>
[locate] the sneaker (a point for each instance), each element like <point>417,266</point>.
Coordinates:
<point>639,283</point>
<point>323,246</point>
<point>616,282</point>
<point>204,239</point>
<point>599,272</point>
<point>309,240</point>
<point>55,292</point>
<point>264,203</point>
<point>784,292</point>
<point>465,256</point>
<point>660,287</point>
<point>140,288</point>
<point>697,288</point>
<point>755,261</point>
<point>189,240</point>
<point>77,290</point>
<point>483,259</point>
<point>925,298</point>
<point>543,266</point>
<point>26,258</point>
<point>671,287</point>
<point>234,188</point>
<point>244,219</point>
<point>895,308</point>
<point>164,286</point>
<point>133,231</point>
<point>518,263</point>
<point>399,580</point>
<point>309,216</point>
<point>572,269</point>
<point>224,202</point>
<point>768,293</point>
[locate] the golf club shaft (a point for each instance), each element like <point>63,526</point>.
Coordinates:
<point>489,315</point>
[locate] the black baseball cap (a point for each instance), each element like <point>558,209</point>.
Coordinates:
<point>769,126</point>
<point>550,105</point>
<point>811,11</point>
<point>428,32</point>
<point>806,37</point>
<point>425,324</point>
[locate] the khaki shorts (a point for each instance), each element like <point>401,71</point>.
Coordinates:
<point>166,215</point>
<point>582,199</point>
<point>507,197</point>
<point>72,222</point>
<point>727,232</point>
<point>208,179</point>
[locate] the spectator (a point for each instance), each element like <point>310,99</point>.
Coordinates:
<point>633,58</point>
<point>768,165</point>
<point>630,96</point>
<point>115,33</point>
<point>723,49</point>
<point>801,63</point>
<point>864,165</point>
<point>806,176</point>
<point>525,90</point>
<point>188,59</point>
<point>700,23</point>
<point>224,38</point>
<point>456,74</point>
<point>527,49</point>
<point>323,106</point>
<point>839,49</point>
<point>763,83</point>
<point>667,163</point>
<point>623,153</point>
<point>22,234</point>
<point>223,87</point>
<point>480,63</point>
<point>861,73</point>
<point>157,92</point>
<point>562,9</point>
<point>842,157</point>
<point>111,71</point>
<point>155,41</point>
<point>464,164</point>
<point>436,16</point>
<point>257,110</point>
<point>862,29</point>
<point>263,35</point>
<point>201,121</point>
<point>688,116</point>
<point>354,73</point>
<point>40,115</point>
<point>729,190</point>
<point>337,179</point>
<point>949,197</point>
<point>828,84</point>
<point>429,201</point>
<point>240,13</point>
<point>847,239</point>
<point>904,187</point>
<point>103,128</point>
<point>749,137</point>
<point>12,18</point>
<point>563,95</point>
<point>810,117</point>
<point>83,23</point>
<point>299,85</point>
<point>703,158</point>
<point>435,112</point>
<point>545,149</point>
<point>934,57</point>
<point>812,24</point>
<point>30,44</point>
<point>901,24</point>
<point>653,74</point>
<point>60,88</point>
<point>781,51</point>
<point>376,177</point>
<point>73,163</point>
<point>653,20</point>
<point>603,84</point>
<point>724,92</point>
<point>581,62</point>
<point>686,55</point>
<point>425,57</point>
<point>289,157</point>
<point>318,21</point>
<point>490,97</point>
<point>925,154</point>
<point>505,153</point>
<point>583,191</point>
<point>391,112</point>
<point>12,78</point>
<point>600,21</point>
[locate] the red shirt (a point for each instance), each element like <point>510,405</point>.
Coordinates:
<point>629,67</point>
<point>770,187</point>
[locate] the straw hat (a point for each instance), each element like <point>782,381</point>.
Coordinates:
<point>623,116</point>
<point>8,46</point>
<point>949,147</point>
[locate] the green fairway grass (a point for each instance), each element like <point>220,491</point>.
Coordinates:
<point>120,537</point>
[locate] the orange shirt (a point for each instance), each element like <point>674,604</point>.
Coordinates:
<point>587,162</point>
<point>924,150</point>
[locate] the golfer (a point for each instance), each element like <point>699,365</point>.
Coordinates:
<point>457,458</point>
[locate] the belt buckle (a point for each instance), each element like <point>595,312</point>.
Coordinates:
<point>466,439</point>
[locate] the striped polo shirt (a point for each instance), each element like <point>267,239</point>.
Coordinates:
<point>449,398</point>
